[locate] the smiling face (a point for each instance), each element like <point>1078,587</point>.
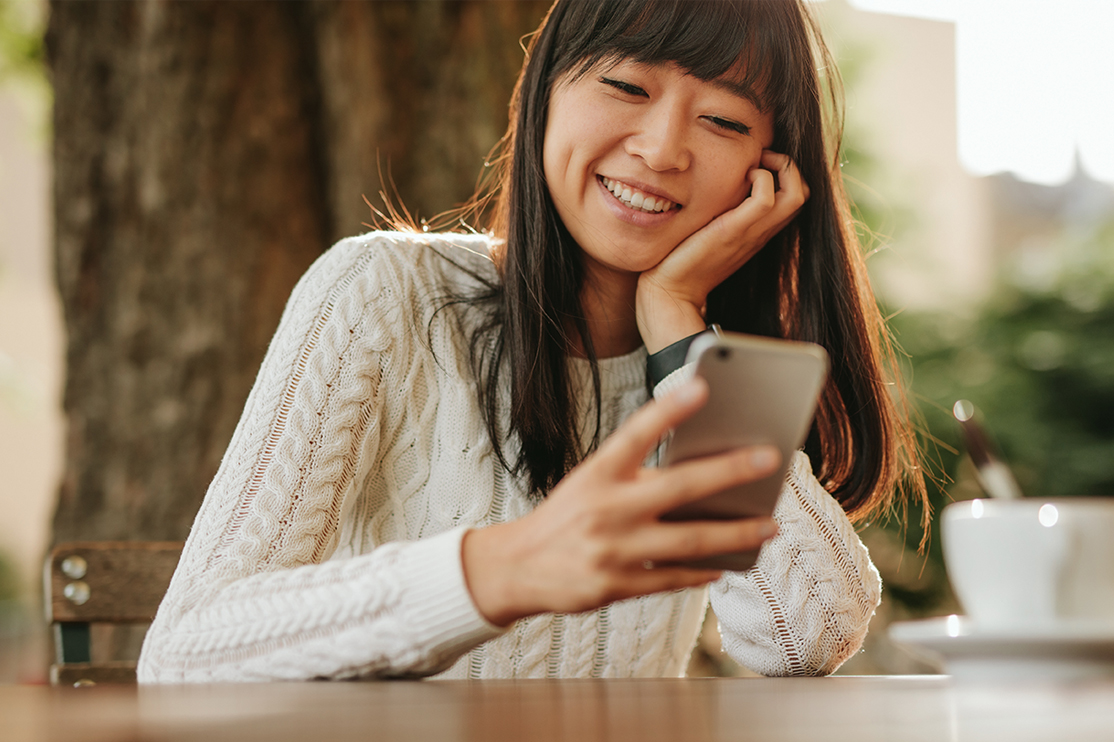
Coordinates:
<point>638,157</point>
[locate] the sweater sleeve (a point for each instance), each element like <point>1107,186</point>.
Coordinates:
<point>254,596</point>
<point>805,607</point>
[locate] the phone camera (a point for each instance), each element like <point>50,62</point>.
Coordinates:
<point>723,354</point>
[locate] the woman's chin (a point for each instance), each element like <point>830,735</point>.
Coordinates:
<point>627,257</point>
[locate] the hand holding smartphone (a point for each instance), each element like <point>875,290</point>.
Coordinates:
<point>761,391</point>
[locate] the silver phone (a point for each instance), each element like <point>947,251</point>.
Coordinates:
<point>762,391</point>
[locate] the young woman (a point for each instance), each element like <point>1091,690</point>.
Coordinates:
<point>442,466</point>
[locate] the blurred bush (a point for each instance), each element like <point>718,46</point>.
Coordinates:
<point>21,42</point>
<point>1037,360</point>
<point>9,579</point>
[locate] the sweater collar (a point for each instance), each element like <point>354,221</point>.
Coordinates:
<point>618,374</point>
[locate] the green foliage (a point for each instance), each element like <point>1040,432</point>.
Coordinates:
<point>23,70</point>
<point>21,38</point>
<point>9,580</point>
<point>1038,361</point>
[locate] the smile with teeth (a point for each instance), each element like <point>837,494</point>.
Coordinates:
<point>635,198</point>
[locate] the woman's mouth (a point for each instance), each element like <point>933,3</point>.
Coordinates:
<point>636,199</point>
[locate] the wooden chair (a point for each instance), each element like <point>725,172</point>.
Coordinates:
<point>102,582</point>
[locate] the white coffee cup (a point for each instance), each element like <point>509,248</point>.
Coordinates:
<point>1032,563</point>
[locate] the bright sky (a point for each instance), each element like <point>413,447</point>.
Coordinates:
<point>1035,85</point>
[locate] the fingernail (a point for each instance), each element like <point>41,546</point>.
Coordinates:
<point>768,530</point>
<point>764,457</point>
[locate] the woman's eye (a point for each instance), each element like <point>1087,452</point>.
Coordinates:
<point>729,125</point>
<point>624,87</point>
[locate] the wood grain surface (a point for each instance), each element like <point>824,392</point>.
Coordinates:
<point>126,580</point>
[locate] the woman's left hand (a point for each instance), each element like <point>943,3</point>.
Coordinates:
<point>671,296</point>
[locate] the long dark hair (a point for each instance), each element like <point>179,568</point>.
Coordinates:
<point>807,283</point>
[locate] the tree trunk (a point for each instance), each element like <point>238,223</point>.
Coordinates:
<point>205,153</point>
<point>418,91</point>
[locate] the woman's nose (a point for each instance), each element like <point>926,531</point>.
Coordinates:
<point>660,140</point>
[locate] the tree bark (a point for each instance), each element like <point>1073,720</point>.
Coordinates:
<point>417,91</point>
<point>205,153</point>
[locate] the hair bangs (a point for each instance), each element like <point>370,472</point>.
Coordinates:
<point>743,40</point>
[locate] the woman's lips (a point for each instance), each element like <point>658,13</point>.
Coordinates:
<point>637,199</point>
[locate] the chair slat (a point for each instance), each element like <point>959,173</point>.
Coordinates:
<point>103,582</point>
<point>122,581</point>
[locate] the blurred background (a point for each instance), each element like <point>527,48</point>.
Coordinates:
<point>168,170</point>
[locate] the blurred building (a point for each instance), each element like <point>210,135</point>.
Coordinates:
<point>901,109</point>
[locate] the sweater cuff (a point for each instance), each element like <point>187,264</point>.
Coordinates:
<point>675,379</point>
<point>437,604</point>
<point>667,360</point>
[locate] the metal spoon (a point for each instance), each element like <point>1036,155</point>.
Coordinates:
<point>993,474</point>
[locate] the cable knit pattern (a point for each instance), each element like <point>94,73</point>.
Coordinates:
<point>328,544</point>
<point>811,593</point>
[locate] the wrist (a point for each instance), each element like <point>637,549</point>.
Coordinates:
<point>486,575</point>
<point>664,319</point>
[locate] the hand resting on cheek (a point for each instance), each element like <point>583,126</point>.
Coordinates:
<point>671,296</point>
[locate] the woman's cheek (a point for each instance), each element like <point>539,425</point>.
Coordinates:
<point>742,182</point>
<point>739,193</point>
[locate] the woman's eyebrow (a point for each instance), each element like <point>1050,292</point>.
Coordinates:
<point>739,90</point>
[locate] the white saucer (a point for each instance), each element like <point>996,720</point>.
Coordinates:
<point>1062,651</point>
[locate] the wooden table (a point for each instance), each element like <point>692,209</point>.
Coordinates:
<point>862,709</point>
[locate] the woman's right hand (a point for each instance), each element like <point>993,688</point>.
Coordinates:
<point>671,296</point>
<point>598,537</point>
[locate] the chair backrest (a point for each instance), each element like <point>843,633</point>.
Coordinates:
<point>102,582</point>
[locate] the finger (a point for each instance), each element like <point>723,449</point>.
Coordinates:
<point>763,189</point>
<point>699,478</point>
<point>776,161</point>
<point>790,182</point>
<point>628,446</point>
<point>754,209</point>
<point>763,195</point>
<point>688,541</point>
<point>769,201</point>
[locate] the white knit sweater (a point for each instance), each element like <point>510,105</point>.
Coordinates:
<point>328,544</point>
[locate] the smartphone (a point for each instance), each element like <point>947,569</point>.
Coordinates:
<point>762,391</point>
